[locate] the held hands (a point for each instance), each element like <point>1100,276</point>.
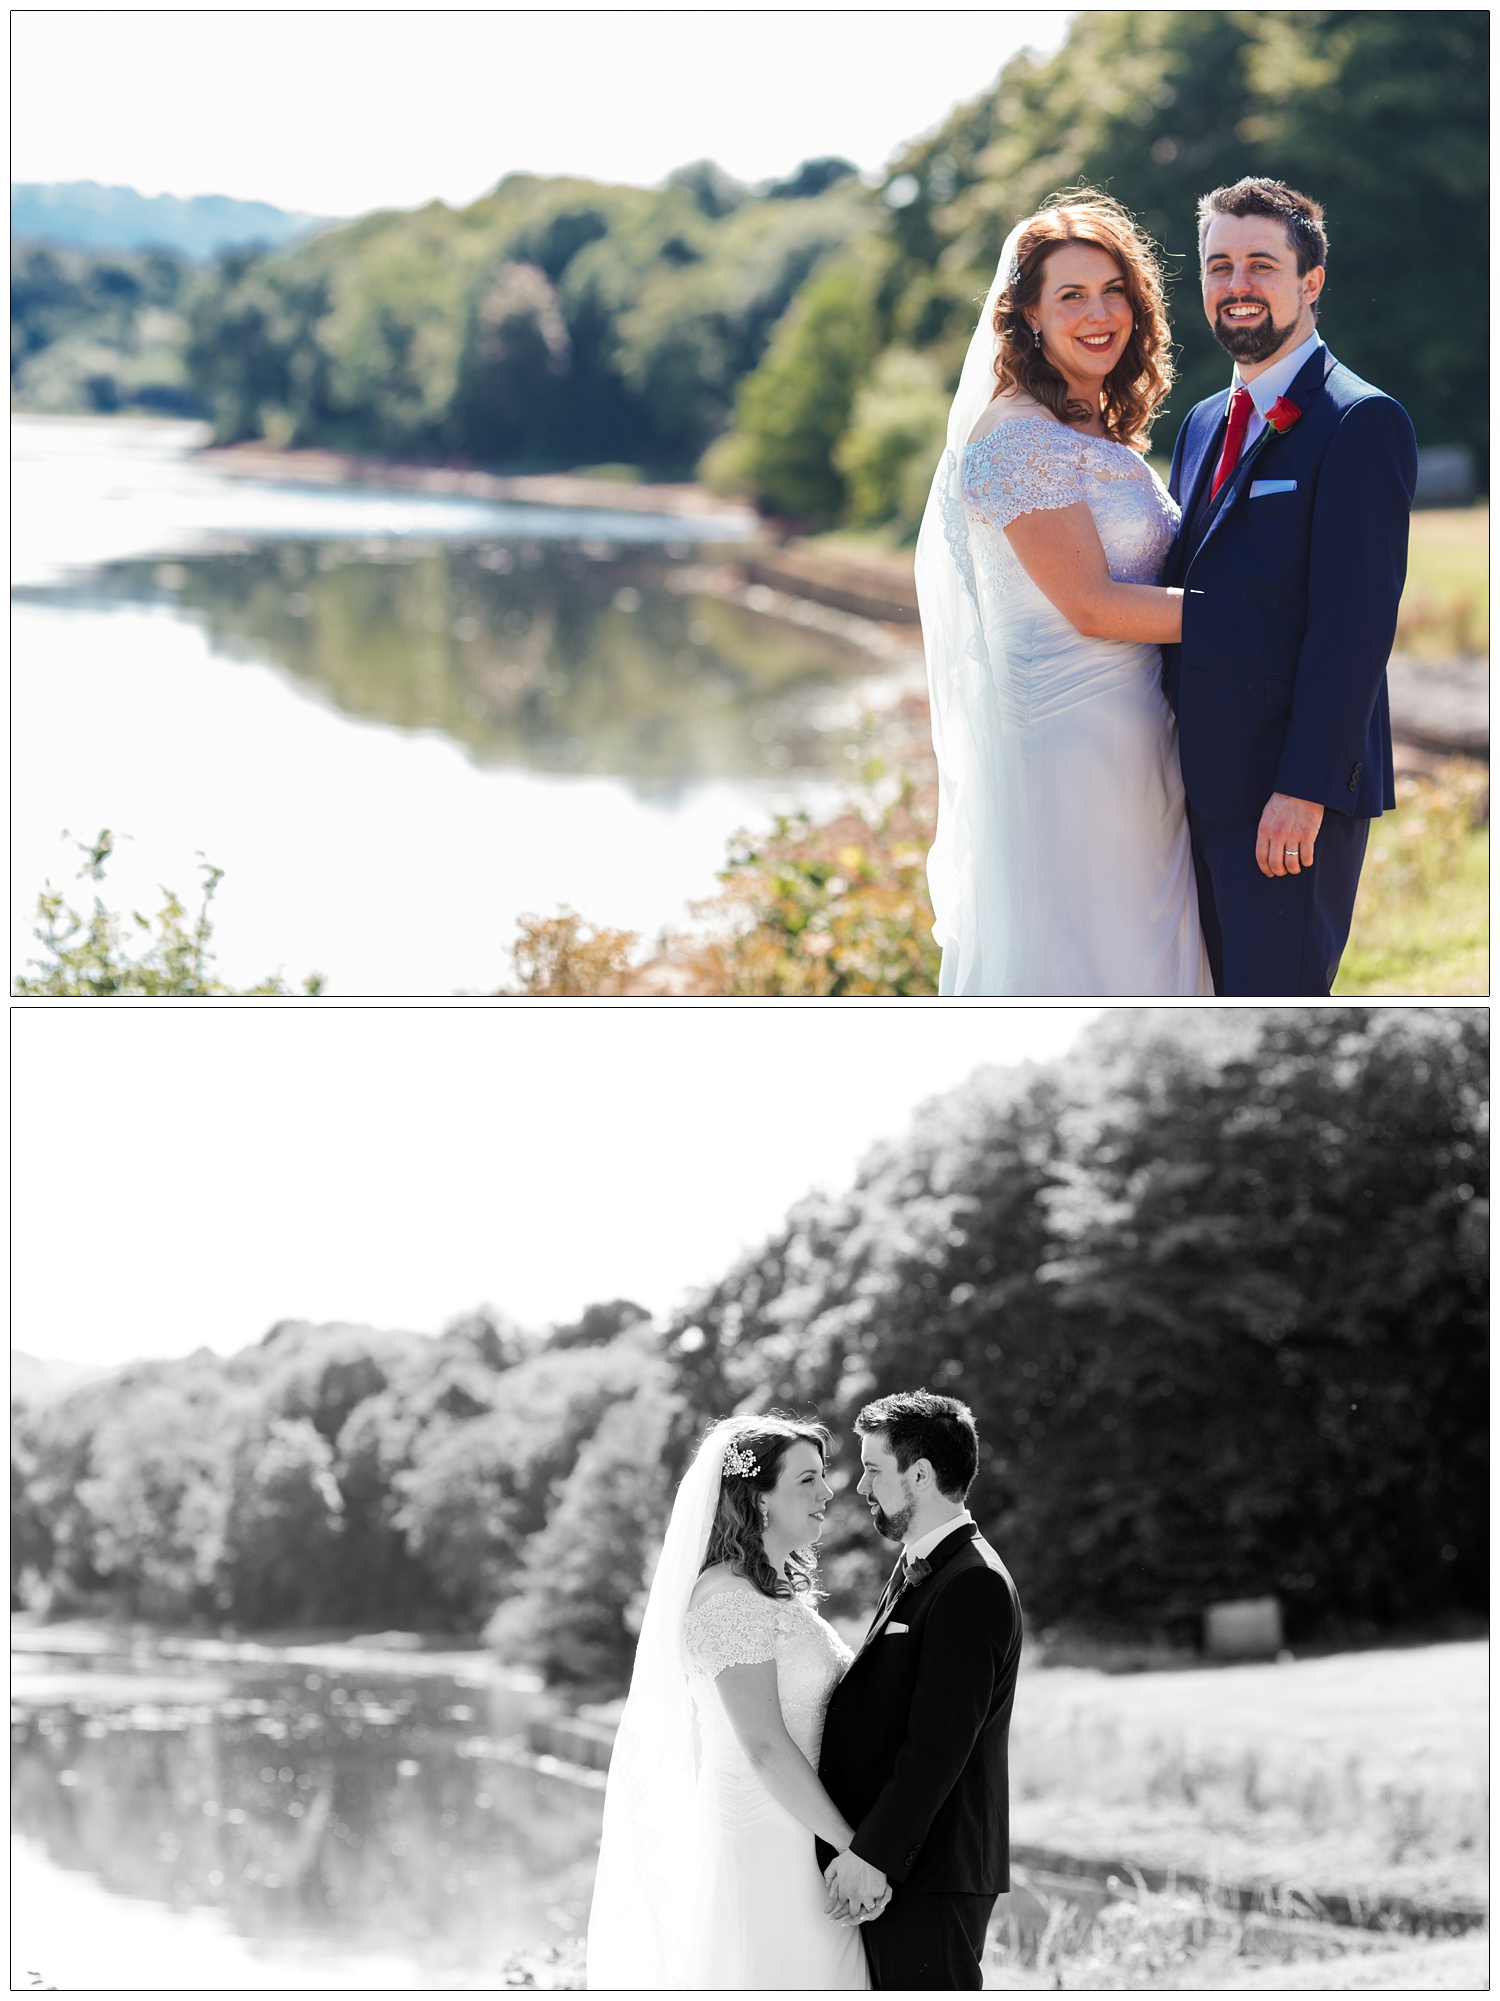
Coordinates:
<point>857,1890</point>
<point>1285,839</point>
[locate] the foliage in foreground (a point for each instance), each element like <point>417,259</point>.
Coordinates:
<point>836,909</point>
<point>102,953</point>
<point>842,908</point>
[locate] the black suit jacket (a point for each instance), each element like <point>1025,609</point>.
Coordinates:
<point>915,1743</point>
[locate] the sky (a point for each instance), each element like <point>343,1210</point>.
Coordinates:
<point>338,113</point>
<point>187,1176</point>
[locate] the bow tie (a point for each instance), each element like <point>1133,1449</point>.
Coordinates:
<point>916,1568</point>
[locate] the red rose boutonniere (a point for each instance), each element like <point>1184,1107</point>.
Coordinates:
<point>1281,416</point>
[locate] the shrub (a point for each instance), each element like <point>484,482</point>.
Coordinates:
<point>90,955</point>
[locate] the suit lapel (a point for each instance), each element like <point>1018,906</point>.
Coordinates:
<point>1307,384</point>
<point>884,1609</point>
<point>948,1547</point>
<point>1200,458</point>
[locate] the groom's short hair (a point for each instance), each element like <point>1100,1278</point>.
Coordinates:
<point>918,1424</point>
<point>1299,215</point>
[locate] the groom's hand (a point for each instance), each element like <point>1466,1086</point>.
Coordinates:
<point>1288,830</point>
<point>856,1888</point>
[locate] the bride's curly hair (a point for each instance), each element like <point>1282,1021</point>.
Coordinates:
<point>735,1537</point>
<point>1137,385</point>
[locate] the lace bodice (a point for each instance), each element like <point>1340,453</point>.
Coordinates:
<point>1030,463</point>
<point>735,1627</point>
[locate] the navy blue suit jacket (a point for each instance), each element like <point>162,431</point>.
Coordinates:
<point>1289,605</point>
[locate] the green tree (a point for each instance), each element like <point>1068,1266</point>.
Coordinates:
<point>895,437</point>
<point>791,412</point>
<point>255,354</point>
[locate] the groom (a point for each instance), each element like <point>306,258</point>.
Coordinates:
<point>914,1743</point>
<point>1295,490</point>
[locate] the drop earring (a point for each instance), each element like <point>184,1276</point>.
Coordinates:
<point>1036,335</point>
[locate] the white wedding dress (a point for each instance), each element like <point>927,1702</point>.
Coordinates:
<point>703,1880</point>
<point>1062,862</point>
<point>1091,865</point>
<point>756,1910</point>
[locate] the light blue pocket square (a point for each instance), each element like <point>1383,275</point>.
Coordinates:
<point>1260,486</point>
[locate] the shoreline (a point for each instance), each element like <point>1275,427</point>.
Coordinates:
<point>1439,708</point>
<point>315,466</point>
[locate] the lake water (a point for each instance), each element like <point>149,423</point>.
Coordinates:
<point>235,1816</point>
<point>396,720</point>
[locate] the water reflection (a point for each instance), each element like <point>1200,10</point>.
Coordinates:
<point>576,657</point>
<point>362,1813</point>
<point>396,720</point>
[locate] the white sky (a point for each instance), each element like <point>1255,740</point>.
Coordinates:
<point>186,1176</point>
<point>337,113</point>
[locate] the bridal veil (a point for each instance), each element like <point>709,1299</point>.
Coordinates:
<point>638,1926</point>
<point>979,779</point>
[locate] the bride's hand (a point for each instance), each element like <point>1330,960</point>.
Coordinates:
<point>842,1913</point>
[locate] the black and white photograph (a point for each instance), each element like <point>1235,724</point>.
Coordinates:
<point>754,1498</point>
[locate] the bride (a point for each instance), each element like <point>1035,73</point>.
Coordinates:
<point>707,1872</point>
<point>1062,862</point>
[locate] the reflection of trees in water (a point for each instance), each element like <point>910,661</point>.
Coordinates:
<point>559,657</point>
<point>341,1811</point>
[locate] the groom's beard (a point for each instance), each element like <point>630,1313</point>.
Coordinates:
<point>892,1527</point>
<point>1255,343</point>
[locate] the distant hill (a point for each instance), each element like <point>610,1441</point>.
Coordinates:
<point>33,1381</point>
<point>83,215</point>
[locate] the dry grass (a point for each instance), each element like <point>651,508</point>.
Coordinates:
<point>1361,1775</point>
<point>1445,608</point>
<point>1176,1940</point>
<point>1421,921</point>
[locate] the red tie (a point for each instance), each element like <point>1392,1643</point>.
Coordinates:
<point>1240,406</point>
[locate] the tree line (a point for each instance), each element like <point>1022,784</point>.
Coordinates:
<point>1214,1286</point>
<point>1381,116</point>
<point>799,342</point>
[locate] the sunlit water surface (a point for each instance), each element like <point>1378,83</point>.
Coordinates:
<point>395,720</point>
<point>306,1819</point>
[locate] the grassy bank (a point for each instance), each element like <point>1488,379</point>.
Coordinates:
<point>1358,1775</point>
<point>1445,608</point>
<point>1421,920</point>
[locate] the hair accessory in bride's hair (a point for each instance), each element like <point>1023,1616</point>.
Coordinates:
<point>742,1463</point>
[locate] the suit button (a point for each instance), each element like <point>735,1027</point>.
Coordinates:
<point>1354,777</point>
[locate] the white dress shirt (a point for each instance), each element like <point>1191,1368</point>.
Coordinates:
<point>926,1544</point>
<point>1273,382</point>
